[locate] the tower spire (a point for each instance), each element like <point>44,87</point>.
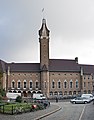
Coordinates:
<point>44,32</point>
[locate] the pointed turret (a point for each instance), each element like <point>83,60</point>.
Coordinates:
<point>44,32</point>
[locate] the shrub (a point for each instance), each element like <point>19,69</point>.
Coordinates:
<point>19,99</point>
<point>0,98</point>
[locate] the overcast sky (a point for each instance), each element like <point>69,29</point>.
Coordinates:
<point>71,25</point>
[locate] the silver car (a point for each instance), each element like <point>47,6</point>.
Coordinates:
<point>80,100</point>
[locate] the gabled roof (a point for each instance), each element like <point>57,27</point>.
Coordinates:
<point>63,65</point>
<point>24,67</point>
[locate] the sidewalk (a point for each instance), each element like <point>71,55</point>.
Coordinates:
<point>32,115</point>
<point>50,110</point>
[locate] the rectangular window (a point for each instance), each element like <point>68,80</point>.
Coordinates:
<point>88,77</point>
<point>89,84</point>
<point>84,84</point>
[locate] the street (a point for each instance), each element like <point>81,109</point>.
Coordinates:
<point>73,112</point>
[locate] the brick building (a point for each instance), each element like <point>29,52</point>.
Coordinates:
<point>52,77</point>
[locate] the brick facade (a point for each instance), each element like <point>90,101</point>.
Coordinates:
<point>52,77</point>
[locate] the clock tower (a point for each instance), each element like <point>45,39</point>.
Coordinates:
<point>44,57</point>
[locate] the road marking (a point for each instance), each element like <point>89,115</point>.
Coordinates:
<point>47,114</point>
<point>82,113</point>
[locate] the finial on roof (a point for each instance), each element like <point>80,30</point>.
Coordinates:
<point>43,21</point>
<point>43,12</point>
<point>44,32</point>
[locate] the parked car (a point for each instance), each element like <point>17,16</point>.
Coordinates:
<point>45,102</point>
<point>88,96</point>
<point>80,100</point>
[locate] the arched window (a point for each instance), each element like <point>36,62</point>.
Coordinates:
<point>30,84</point>
<point>74,92</point>
<point>53,84</point>
<point>13,84</point>
<point>65,84</point>
<point>19,84</point>
<point>71,84</point>
<point>25,84</point>
<point>65,92</point>
<point>59,84</point>
<point>36,84</point>
<point>51,93</point>
<point>55,93</point>
<point>76,84</point>
<point>60,93</point>
<point>70,92</point>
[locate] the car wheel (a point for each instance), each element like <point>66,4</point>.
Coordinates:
<point>85,102</point>
<point>74,102</point>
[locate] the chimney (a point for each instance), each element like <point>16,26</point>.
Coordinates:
<point>76,60</point>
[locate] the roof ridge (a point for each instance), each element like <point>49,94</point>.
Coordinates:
<point>86,65</point>
<point>63,59</point>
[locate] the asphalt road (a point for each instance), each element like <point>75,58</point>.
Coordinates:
<point>73,112</point>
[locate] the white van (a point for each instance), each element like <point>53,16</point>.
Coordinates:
<point>88,96</point>
<point>38,96</point>
<point>12,96</point>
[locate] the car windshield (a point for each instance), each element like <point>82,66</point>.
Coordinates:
<point>78,98</point>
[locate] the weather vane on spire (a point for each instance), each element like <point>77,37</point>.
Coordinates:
<point>43,12</point>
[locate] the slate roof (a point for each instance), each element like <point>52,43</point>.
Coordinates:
<point>68,65</point>
<point>87,69</point>
<point>55,65</point>
<point>24,67</point>
<point>63,65</point>
<point>2,66</point>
